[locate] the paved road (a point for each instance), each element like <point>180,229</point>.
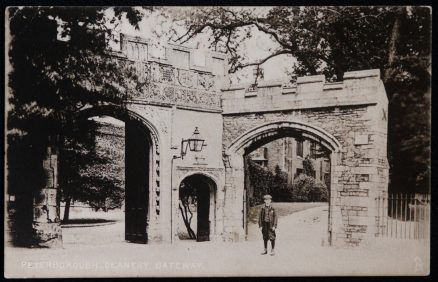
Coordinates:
<point>299,253</point>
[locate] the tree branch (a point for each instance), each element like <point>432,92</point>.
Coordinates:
<point>260,62</point>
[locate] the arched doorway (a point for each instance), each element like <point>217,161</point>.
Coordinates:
<point>197,208</point>
<point>261,135</point>
<point>140,159</point>
<point>137,174</point>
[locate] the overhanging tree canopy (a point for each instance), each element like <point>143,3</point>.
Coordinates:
<point>59,64</point>
<point>333,40</point>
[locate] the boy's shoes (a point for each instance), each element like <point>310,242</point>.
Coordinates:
<point>265,252</point>
<point>272,253</point>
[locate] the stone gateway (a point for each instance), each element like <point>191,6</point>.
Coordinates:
<point>182,92</point>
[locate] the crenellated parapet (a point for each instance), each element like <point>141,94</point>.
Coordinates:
<point>357,88</point>
<point>186,77</point>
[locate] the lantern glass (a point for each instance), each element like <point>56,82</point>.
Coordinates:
<point>199,143</point>
<point>184,145</point>
<point>192,144</point>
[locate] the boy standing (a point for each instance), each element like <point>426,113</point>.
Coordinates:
<point>268,224</point>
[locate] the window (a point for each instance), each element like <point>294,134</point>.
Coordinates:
<point>289,149</point>
<point>299,171</point>
<point>300,148</point>
<point>326,166</point>
<point>259,156</point>
<point>313,150</point>
<point>321,173</point>
<point>327,179</point>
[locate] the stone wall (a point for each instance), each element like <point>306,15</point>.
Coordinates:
<point>353,112</point>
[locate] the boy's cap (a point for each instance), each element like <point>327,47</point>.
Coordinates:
<point>267,197</point>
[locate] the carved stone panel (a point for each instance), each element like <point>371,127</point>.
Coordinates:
<point>166,84</point>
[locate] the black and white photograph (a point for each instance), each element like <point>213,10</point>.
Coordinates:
<point>217,141</point>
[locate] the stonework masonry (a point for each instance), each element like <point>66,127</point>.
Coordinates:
<point>46,224</point>
<point>183,91</point>
<point>353,112</point>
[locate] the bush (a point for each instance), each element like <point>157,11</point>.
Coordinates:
<point>307,189</point>
<point>264,182</point>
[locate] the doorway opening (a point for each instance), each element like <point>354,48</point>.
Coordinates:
<point>115,206</point>
<point>197,208</point>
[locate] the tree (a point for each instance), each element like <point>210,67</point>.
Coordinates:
<point>333,40</point>
<point>188,198</point>
<point>59,64</point>
<point>87,174</point>
<point>307,189</point>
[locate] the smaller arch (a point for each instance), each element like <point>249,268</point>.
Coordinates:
<point>206,209</point>
<point>271,129</point>
<point>212,178</point>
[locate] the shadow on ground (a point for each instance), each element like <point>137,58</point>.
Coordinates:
<point>84,222</point>
<point>283,209</point>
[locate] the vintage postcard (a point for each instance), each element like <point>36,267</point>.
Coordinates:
<point>217,141</point>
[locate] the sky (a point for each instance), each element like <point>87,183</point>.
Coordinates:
<point>155,27</point>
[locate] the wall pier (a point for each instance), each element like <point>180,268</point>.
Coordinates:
<point>46,224</point>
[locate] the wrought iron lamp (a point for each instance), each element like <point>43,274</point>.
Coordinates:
<point>195,143</point>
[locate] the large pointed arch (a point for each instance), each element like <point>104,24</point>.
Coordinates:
<point>263,134</point>
<point>271,130</point>
<point>151,213</point>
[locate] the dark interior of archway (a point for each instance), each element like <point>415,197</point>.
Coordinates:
<point>198,186</point>
<point>137,168</point>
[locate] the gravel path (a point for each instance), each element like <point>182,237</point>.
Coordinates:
<point>299,253</point>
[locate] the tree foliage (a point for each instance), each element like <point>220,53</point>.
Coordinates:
<point>307,189</point>
<point>334,40</point>
<point>89,177</point>
<point>59,65</point>
<point>264,181</point>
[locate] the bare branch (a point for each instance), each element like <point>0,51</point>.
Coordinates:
<point>260,62</point>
